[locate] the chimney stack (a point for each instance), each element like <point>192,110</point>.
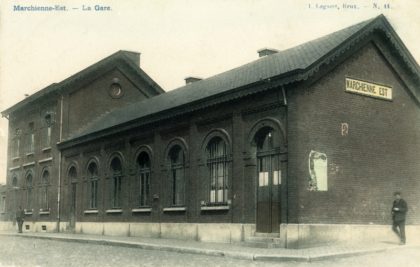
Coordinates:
<point>191,79</point>
<point>266,52</point>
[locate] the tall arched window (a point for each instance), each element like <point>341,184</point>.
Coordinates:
<point>177,175</point>
<point>29,188</point>
<point>14,181</point>
<point>93,185</point>
<point>143,161</point>
<point>44,190</point>
<point>116,170</point>
<point>218,170</point>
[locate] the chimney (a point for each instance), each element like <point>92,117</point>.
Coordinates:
<point>191,79</point>
<point>266,52</point>
<point>133,56</point>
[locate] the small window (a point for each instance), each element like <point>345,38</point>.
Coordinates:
<point>115,90</point>
<point>177,175</point>
<point>14,181</point>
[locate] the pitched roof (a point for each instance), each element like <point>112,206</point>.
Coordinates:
<point>291,65</point>
<point>127,58</point>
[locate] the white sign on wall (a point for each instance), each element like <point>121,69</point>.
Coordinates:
<point>368,88</point>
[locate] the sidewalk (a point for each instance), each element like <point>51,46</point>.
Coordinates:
<point>222,250</point>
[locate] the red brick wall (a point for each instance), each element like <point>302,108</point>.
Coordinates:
<point>379,155</point>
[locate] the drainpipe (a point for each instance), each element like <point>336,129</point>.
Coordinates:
<point>59,165</point>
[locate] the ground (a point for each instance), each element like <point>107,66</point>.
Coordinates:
<point>18,252</point>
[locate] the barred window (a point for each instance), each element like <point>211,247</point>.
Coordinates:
<point>177,175</point>
<point>93,185</point>
<point>44,189</point>
<point>16,144</point>
<point>47,131</point>
<point>30,143</point>
<point>116,169</point>
<point>143,162</point>
<point>218,170</point>
<point>29,188</point>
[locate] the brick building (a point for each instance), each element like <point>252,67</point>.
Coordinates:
<point>296,146</point>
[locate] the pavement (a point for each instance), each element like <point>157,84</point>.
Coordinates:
<point>236,251</point>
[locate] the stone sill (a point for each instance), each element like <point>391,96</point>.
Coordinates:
<point>15,158</point>
<point>114,211</point>
<point>44,212</point>
<point>45,160</point>
<point>174,209</point>
<point>92,212</point>
<point>141,210</point>
<point>45,149</point>
<point>30,154</point>
<point>29,164</point>
<point>28,212</point>
<point>221,207</point>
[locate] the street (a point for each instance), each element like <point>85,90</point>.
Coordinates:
<point>19,252</point>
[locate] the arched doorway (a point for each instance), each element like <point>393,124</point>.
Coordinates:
<point>72,178</point>
<point>268,144</point>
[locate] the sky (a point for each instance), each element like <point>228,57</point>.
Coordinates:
<point>176,38</point>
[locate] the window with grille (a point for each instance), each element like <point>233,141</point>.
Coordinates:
<point>29,189</point>
<point>93,185</point>
<point>47,131</point>
<point>218,170</point>
<point>143,162</point>
<point>116,169</point>
<point>16,144</point>
<point>44,188</point>
<point>30,144</point>
<point>177,175</point>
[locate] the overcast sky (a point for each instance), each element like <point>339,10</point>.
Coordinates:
<point>176,38</point>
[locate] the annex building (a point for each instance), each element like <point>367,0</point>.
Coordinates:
<point>300,146</point>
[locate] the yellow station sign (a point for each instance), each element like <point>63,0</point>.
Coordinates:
<point>369,89</point>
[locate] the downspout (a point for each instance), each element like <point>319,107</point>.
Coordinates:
<point>59,165</point>
<point>287,169</point>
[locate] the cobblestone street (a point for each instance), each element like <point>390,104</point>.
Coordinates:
<point>19,252</point>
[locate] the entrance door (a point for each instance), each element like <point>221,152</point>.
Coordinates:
<point>268,193</point>
<point>72,221</point>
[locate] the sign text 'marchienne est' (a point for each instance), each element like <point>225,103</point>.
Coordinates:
<point>369,89</point>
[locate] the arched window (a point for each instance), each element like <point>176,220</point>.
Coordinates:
<point>72,174</point>
<point>14,181</point>
<point>116,170</point>
<point>44,190</point>
<point>29,188</point>
<point>143,161</point>
<point>218,170</point>
<point>268,160</point>
<point>177,175</point>
<point>93,185</point>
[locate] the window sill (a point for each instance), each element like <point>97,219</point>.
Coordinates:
<point>219,207</point>
<point>28,212</point>
<point>114,211</point>
<point>30,154</point>
<point>15,158</point>
<point>29,164</point>
<point>44,212</point>
<point>92,212</point>
<point>45,160</point>
<point>45,149</point>
<point>174,209</point>
<point>141,210</point>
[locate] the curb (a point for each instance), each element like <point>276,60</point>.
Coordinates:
<point>210,252</point>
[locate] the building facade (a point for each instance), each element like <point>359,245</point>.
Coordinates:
<point>297,146</point>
